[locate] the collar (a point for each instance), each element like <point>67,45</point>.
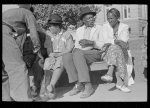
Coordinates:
<point>90,27</point>
<point>61,32</point>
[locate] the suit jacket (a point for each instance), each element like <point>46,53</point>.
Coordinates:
<point>123,33</point>
<point>95,35</point>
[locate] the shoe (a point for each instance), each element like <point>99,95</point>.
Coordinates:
<point>123,88</point>
<point>118,87</point>
<point>88,91</point>
<point>76,89</point>
<point>107,78</point>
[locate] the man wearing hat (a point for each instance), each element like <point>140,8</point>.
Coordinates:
<point>16,21</point>
<point>58,42</point>
<point>88,38</point>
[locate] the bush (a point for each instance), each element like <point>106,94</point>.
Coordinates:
<point>66,11</point>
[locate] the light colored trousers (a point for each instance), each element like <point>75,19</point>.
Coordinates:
<point>15,66</point>
<point>77,64</point>
<point>5,91</point>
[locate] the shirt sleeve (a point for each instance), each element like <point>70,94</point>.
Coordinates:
<point>31,25</point>
<point>124,36</point>
<point>77,45</point>
<point>70,43</point>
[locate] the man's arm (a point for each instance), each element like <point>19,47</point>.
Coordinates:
<point>77,45</point>
<point>31,25</point>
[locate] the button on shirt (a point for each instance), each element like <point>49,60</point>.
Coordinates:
<point>87,33</point>
<point>59,41</point>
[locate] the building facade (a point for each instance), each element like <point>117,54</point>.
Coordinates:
<point>132,14</point>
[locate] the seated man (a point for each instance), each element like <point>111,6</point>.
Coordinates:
<point>76,63</point>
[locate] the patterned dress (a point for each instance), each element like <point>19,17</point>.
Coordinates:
<point>59,44</point>
<point>116,55</point>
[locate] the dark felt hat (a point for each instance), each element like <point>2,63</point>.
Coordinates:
<point>85,11</point>
<point>55,19</point>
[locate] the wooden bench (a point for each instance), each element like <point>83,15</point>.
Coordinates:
<point>96,66</point>
<point>102,65</point>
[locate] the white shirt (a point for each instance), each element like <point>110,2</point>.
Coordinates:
<point>108,34</point>
<point>95,35</point>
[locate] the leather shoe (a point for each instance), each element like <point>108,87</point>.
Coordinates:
<point>76,89</point>
<point>88,91</point>
<point>107,78</point>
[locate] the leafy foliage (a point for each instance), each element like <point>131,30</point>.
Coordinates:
<point>66,11</point>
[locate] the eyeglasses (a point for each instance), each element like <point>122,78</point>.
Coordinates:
<point>90,18</point>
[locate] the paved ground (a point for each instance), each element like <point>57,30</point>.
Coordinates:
<point>102,93</point>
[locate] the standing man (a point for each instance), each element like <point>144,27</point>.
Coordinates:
<point>16,21</point>
<point>88,39</point>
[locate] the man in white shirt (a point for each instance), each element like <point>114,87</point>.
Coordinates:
<point>88,38</point>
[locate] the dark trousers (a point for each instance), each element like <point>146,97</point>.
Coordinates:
<point>38,73</point>
<point>77,64</point>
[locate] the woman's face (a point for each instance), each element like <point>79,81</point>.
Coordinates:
<point>54,29</point>
<point>111,18</point>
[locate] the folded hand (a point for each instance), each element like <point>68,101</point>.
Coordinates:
<point>105,46</point>
<point>84,43</point>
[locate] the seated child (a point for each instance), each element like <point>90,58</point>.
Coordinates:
<point>58,42</point>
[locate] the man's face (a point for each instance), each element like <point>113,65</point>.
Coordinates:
<point>89,20</point>
<point>111,18</point>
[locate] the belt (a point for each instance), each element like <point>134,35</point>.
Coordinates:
<point>14,34</point>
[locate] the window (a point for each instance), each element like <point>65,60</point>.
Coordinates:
<point>107,8</point>
<point>144,11</point>
<point>126,11</point>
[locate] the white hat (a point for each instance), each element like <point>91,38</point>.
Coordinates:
<point>9,6</point>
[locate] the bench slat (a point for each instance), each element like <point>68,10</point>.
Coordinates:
<point>102,65</point>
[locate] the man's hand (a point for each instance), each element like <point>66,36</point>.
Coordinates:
<point>84,43</point>
<point>106,44</point>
